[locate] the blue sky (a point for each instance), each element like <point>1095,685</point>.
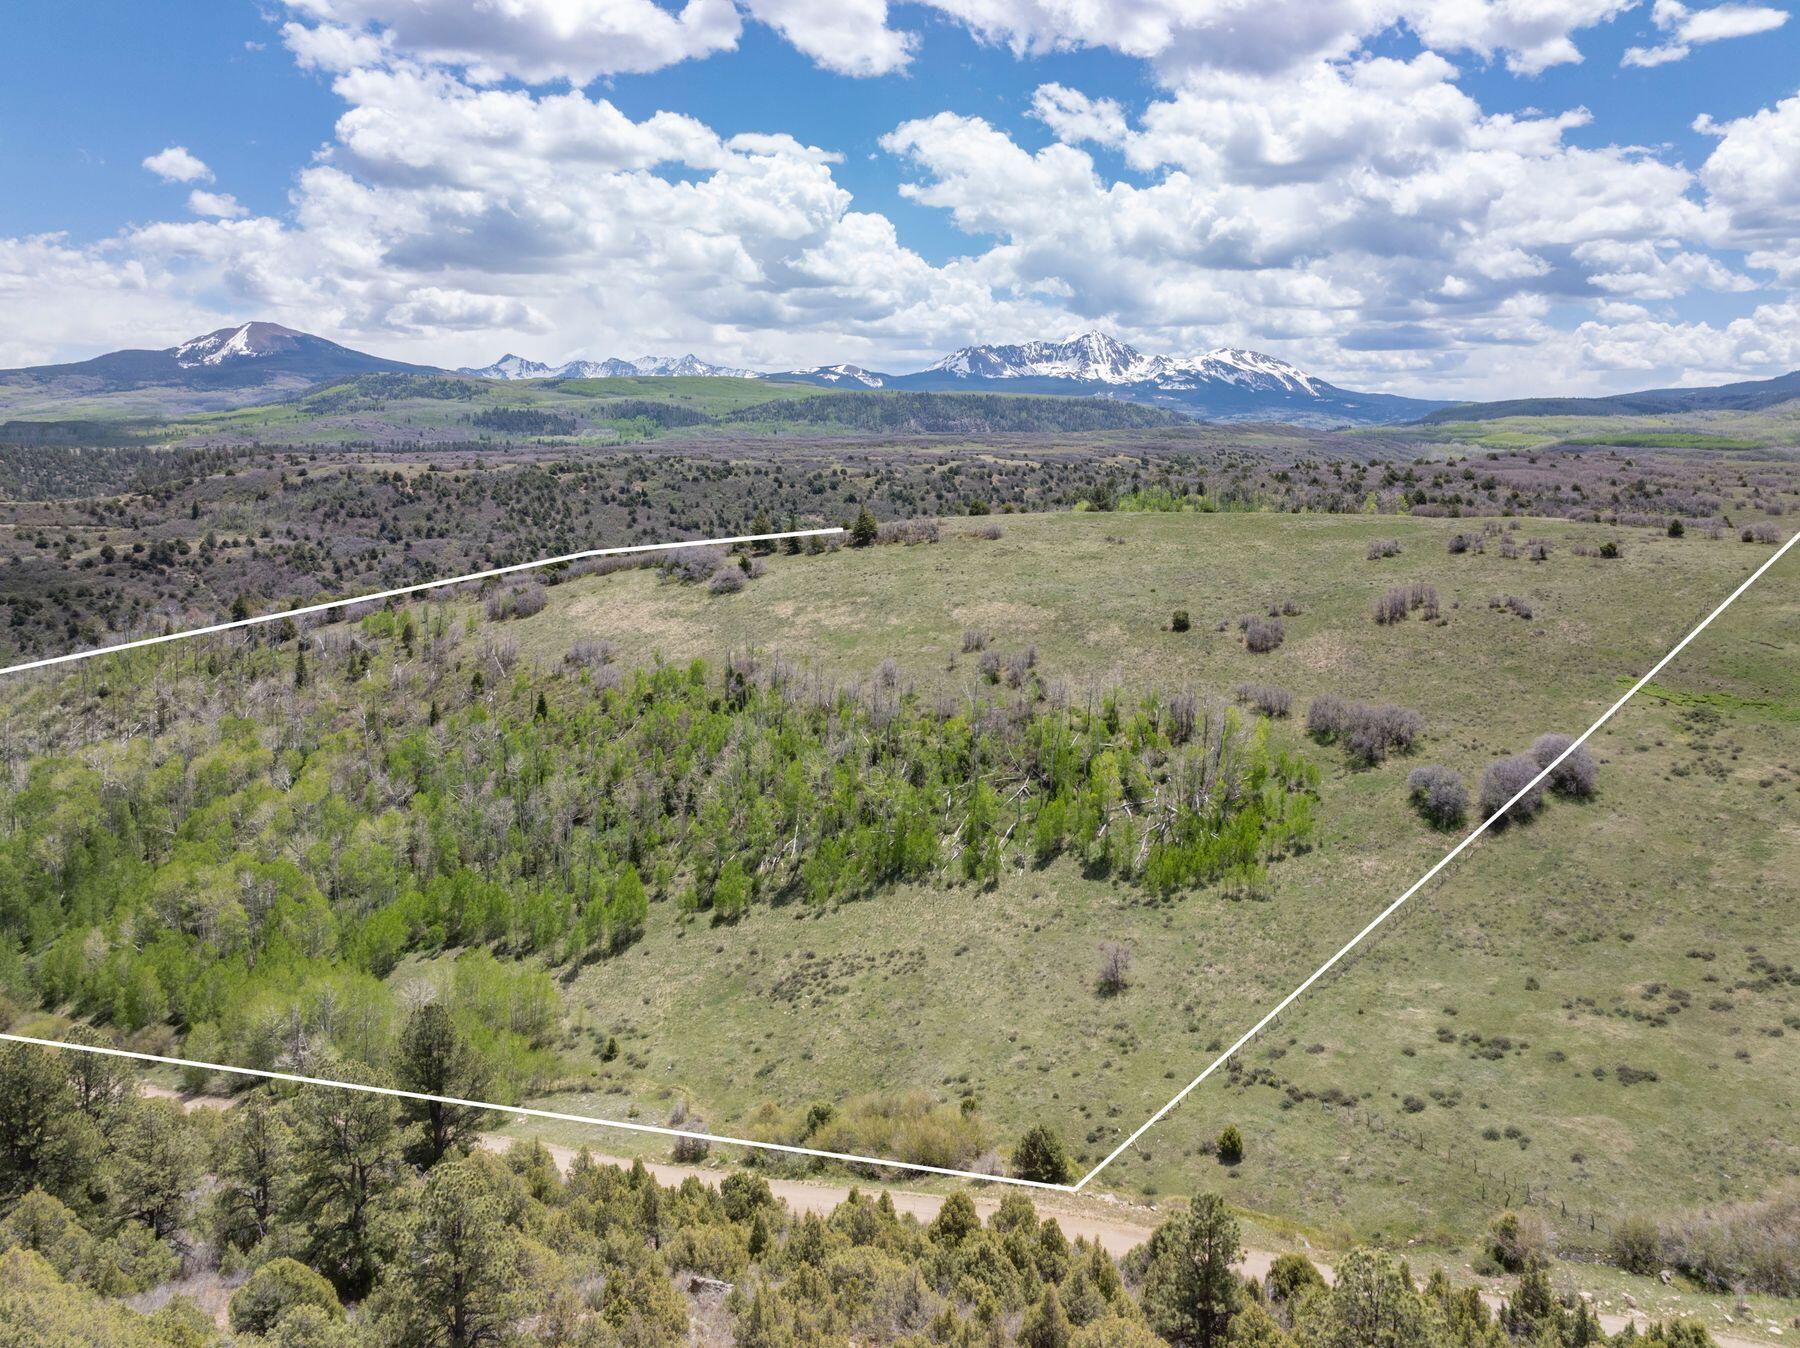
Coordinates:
<point>1435,204</point>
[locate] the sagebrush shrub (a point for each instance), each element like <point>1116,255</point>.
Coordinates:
<point>1266,698</point>
<point>1502,780</point>
<point>1262,636</point>
<point>1439,793</point>
<point>1576,776</point>
<point>1369,733</point>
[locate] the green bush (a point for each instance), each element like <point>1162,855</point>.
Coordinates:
<point>1040,1156</point>
<point>275,1289</point>
<point>1231,1145</point>
<point>1635,1245</point>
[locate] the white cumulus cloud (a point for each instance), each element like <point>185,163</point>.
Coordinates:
<point>177,165</point>
<point>1688,28</point>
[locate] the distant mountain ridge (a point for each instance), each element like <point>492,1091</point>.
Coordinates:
<point>259,361</point>
<point>688,366</point>
<point>1227,384</point>
<point>248,354</point>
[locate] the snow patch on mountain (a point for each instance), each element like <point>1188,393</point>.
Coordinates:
<point>247,341</point>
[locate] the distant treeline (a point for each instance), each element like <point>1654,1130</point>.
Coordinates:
<point>957,413</point>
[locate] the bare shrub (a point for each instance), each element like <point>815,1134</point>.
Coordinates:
<point>1115,968</point>
<point>974,639</point>
<point>1512,604</point>
<point>990,666</point>
<point>1184,716</point>
<point>1401,600</point>
<point>1509,549</point>
<point>1752,1246</point>
<point>1268,699</point>
<point>1289,609</point>
<point>1375,732</point>
<point>1262,637</point>
<point>1761,533</point>
<point>1018,665</point>
<point>1383,547</point>
<point>909,532</point>
<point>1439,793</point>
<point>887,674</point>
<point>1460,543</point>
<point>1325,716</point>
<point>1369,733</point>
<point>1576,776</point>
<point>528,599</point>
<point>990,532</point>
<point>727,580</point>
<point>692,566</point>
<point>501,655</point>
<point>589,653</point>
<point>1503,779</point>
<point>521,601</point>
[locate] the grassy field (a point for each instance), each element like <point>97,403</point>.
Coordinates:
<point>1775,427</point>
<point>1623,931</point>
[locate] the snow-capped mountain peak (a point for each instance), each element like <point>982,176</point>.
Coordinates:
<point>518,367</point>
<point>510,366</point>
<point>247,341</point>
<point>1095,358</point>
<point>1255,370</point>
<point>834,375</point>
<point>1087,356</point>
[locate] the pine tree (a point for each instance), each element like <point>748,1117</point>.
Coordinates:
<point>865,530</point>
<point>1190,1290</point>
<point>459,1281</point>
<point>347,1156</point>
<point>435,1059</point>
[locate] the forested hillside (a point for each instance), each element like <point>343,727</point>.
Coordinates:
<point>308,1218</point>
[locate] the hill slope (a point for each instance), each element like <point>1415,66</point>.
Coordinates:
<point>1746,396</point>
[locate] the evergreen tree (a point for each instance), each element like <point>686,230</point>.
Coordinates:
<point>435,1058</point>
<point>865,530</point>
<point>155,1158</point>
<point>46,1141</point>
<point>1046,1325</point>
<point>458,1281</point>
<point>1372,1305</point>
<point>347,1156</point>
<point>253,1171</point>
<point>1040,1156</point>
<point>1190,1290</point>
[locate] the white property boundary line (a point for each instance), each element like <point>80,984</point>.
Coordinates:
<point>210,629</point>
<point>523,1111</point>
